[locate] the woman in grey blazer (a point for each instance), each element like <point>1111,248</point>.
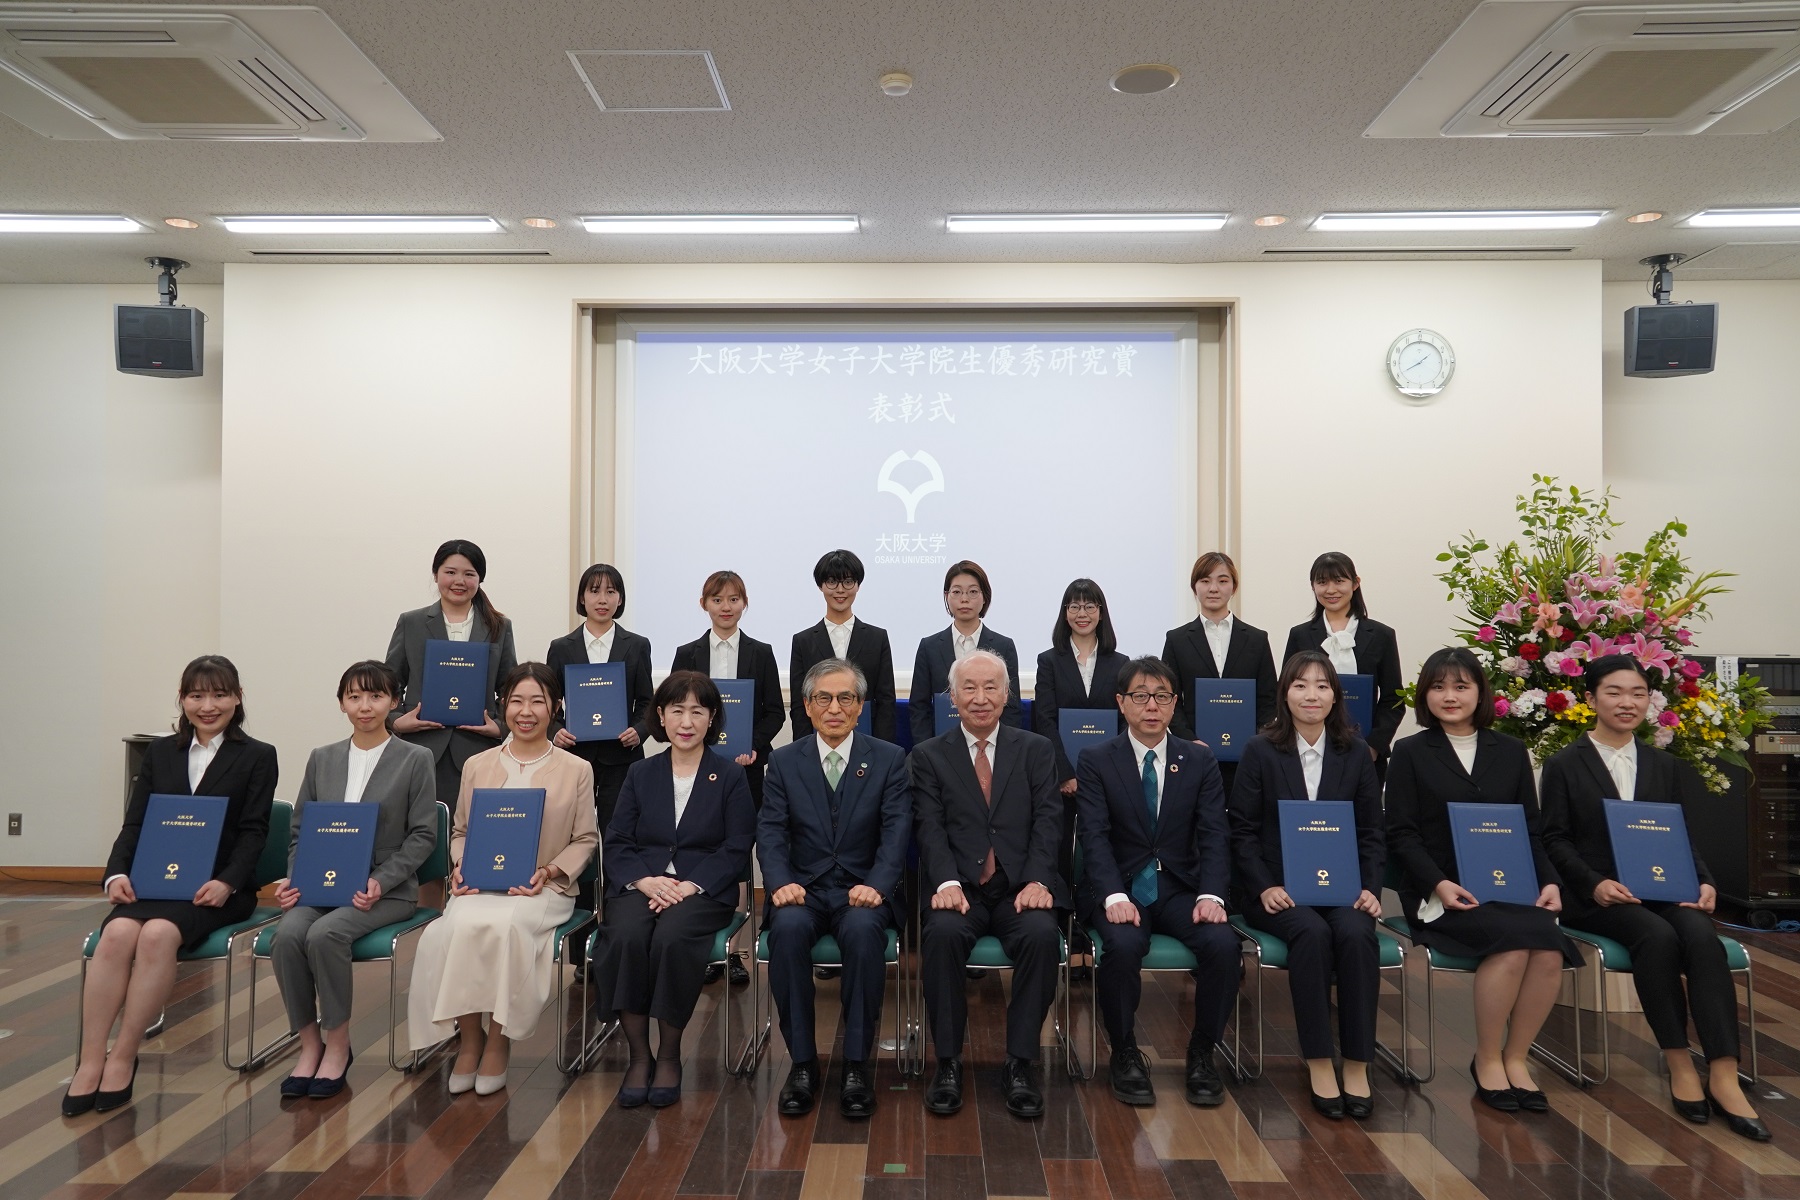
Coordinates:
<point>312,945</point>
<point>463,613</point>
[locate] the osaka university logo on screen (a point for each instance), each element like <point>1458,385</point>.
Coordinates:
<point>910,546</point>
<point>934,482</point>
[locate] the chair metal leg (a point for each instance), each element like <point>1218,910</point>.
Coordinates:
<point>566,1063</point>
<point>1234,1053</point>
<point>419,1057</point>
<point>254,1059</point>
<point>1574,1071</point>
<point>1750,1006</point>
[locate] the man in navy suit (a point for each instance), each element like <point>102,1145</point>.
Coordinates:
<point>832,837</point>
<point>1157,860</point>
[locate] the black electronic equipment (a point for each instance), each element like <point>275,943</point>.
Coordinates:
<point>1666,339</point>
<point>164,340</point>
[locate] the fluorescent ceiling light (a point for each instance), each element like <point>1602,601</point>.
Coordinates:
<point>723,223</point>
<point>1453,222</point>
<point>64,223</point>
<point>389,225</point>
<point>1746,218</point>
<point>1085,222</point>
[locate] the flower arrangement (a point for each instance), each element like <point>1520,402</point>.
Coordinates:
<point>1538,613</point>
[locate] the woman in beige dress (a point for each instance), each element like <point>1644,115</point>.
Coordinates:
<point>486,963</point>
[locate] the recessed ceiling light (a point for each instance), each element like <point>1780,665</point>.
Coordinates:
<point>1270,220</point>
<point>1746,218</point>
<point>1145,79</point>
<point>363,224</point>
<point>722,223</point>
<point>1085,222</point>
<point>1644,218</point>
<point>540,222</point>
<point>1452,222</point>
<point>181,223</point>
<point>65,223</point>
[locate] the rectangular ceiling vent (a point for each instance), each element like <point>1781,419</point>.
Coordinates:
<point>651,81</point>
<point>196,74</point>
<point>1550,68</point>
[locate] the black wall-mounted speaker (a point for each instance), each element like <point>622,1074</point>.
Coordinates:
<point>163,340</point>
<point>1670,339</point>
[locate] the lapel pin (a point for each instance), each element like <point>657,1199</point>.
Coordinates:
<point>712,779</point>
<point>1174,767</point>
<point>860,772</point>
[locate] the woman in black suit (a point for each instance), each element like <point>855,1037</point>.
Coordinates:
<point>600,599</point>
<point>1193,649</point>
<point>1458,759</point>
<point>1669,943</point>
<point>133,967</point>
<point>1308,752</point>
<point>967,597</point>
<point>740,656</point>
<point>463,613</point>
<point>1080,670</point>
<point>677,846</point>
<point>1355,643</point>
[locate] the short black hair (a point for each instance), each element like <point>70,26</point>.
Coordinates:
<point>1149,665</point>
<point>1453,662</point>
<point>688,685</point>
<point>1611,664</point>
<point>601,571</point>
<point>369,675</point>
<point>837,565</point>
<point>973,570</point>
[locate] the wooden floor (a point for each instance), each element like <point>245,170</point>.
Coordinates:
<point>197,1129</point>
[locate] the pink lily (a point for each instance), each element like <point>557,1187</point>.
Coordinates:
<point>1546,614</point>
<point>1586,612</point>
<point>1509,613</point>
<point>1652,655</point>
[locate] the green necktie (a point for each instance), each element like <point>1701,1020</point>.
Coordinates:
<point>834,769</point>
<point>1143,886</point>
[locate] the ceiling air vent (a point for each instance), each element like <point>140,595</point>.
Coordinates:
<point>1556,69</point>
<point>210,74</point>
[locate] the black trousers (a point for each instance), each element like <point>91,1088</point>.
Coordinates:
<point>655,963</point>
<point>1119,982</point>
<point>1322,942</point>
<point>1666,942</point>
<point>1031,939</point>
<point>861,935</point>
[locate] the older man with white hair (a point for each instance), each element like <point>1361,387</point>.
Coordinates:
<point>989,819</point>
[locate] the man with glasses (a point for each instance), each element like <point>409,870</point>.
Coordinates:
<point>832,837</point>
<point>839,576</point>
<point>989,820</point>
<point>1156,857</point>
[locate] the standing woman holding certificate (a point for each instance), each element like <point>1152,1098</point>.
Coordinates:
<point>1669,942</point>
<point>487,960</point>
<point>1308,752</point>
<point>678,844</point>
<point>600,599</point>
<point>1458,759</point>
<point>1080,670</point>
<point>462,613</point>
<point>967,597</point>
<point>727,652</point>
<point>1217,645</point>
<point>1356,644</point>
<point>133,967</point>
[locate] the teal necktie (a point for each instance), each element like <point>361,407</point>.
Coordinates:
<point>1143,885</point>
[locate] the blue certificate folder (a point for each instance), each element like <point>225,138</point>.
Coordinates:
<point>1318,852</point>
<point>1359,702</point>
<point>455,687</point>
<point>501,848</point>
<point>944,713</point>
<point>594,701</point>
<point>337,844</point>
<point>865,720</point>
<point>1225,716</point>
<point>1084,727</point>
<point>1493,852</point>
<point>1651,851</point>
<point>177,846</point>
<point>739,696</point>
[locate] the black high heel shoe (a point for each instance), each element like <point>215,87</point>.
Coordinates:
<point>107,1101</point>
<point>662,1097</point>
<point>1746,1127</point>
<point>76,1106</point>
<point>634,1097</point>
<point>1499,1099</point>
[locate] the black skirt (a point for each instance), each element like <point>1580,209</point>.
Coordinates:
<point>195,922</point>
<point>1492,928</point>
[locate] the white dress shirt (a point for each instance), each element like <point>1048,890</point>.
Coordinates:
<point>1341,646</point>
<point>1312,762</point>
<point>459,631</point>
<point>1218,639</point>
<point>684,791</point>
<point>362,765</point>
<point>1621,764</point>
<point>992,740</point>
<point>724,655</point>
<point>200,756</point>
<point>965,644</point>
<point>1161,750</point>
<point>599,649</point>
<point>840,636</point>
<point>1086,666</point>
<point>842,750</point>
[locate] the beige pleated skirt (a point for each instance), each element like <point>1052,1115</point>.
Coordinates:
<point>488,953</point>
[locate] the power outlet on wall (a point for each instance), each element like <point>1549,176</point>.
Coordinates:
<point>15,824</point>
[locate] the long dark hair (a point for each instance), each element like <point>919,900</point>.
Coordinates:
<point>490,616</point>
<point>212,672</point>
<point>1280,729</point>
<point>609,573</point>
<point>1084,591</point>
<point>1335,564</point>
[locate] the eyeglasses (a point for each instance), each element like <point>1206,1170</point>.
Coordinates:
<point>964,593</point>
<point>1163,699</point>
<point>840,585</point>
<point>1082,610</point>
<point>824,700</point>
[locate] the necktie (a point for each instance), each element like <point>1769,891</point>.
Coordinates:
<point>984,775</point>
<point>1143,885</point>
<point>834,769</point>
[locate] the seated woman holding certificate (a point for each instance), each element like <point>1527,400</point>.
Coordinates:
<point>133,967</point>
<point>1667,940</point>
<point>678,844</point>
<point>487,960</point>
<point>1458,759</point>
<point>312,943</point>
<point>1307,752</point>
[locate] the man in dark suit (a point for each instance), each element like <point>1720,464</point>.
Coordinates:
<point>1157,859</point>
<point>989,819</point>
<point>839,576</point>
<point>832,838</point>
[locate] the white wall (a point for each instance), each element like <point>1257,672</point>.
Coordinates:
<point>109,529</point>
<point>1716,451</point>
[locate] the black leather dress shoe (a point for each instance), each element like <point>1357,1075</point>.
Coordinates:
<point>714,973</point>
<point>1499,1099</point>
<point>739,976</point>
<point>105,1101</point>
<point>1327,1106</point>
<point>1131,1077</point>
<point>944,1096</point>
<point>827,972</point>
<point>1022,1096</point>
<point>856,1098</point>
<point>1697,1111</point>
<point>801,1087</point>
<point>1205,1087</point>
<point>1747,1127</point>
<point>1359,1107</point>
<point>1531,1100</point>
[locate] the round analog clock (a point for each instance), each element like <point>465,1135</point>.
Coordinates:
<point>1421,363</point>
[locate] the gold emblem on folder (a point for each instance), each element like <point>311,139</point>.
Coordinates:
<point>331,879</point>
<point>499,862</point>
<point>455,703</point>
<point>1225,739</point>
<point>1499,876</point>
<point>1658,872</point>
<point>1324,877</point>
<point>174,870</point>
<point>597,721</point>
